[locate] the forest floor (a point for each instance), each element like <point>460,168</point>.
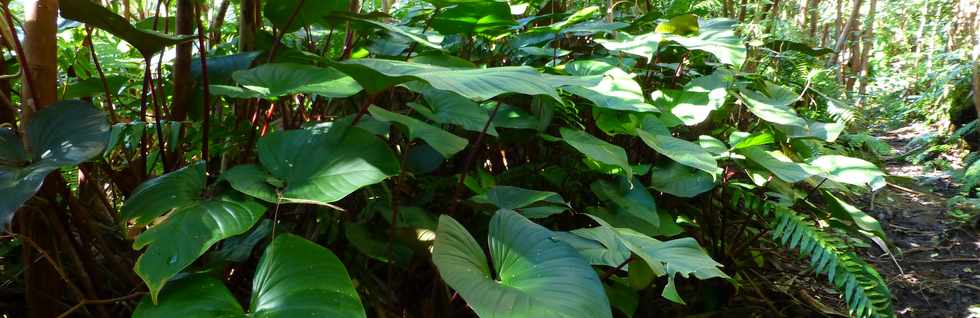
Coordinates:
<point>936,272</point>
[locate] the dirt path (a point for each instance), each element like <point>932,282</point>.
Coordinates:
<point>939,274</point>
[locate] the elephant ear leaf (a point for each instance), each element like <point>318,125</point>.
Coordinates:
<point>147,42</point>
<point>534,274</point>
<point>197,296</point>
<point>298,278</point>
<point>65,133</point>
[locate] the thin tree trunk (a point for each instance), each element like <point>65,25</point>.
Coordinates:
<point>182,62</point>
<point>814,17</point>
<point>7,114</point>
<point>248,24</point>
<point>218,22</point>
<point>865,67</point>
<point>44,287</point>
<point>743,6</point>
<point>923,20</point>
<point>845,33</point>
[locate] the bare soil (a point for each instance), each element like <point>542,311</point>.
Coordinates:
<point>936,270</point>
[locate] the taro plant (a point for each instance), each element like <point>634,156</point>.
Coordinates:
<point>343,162</point>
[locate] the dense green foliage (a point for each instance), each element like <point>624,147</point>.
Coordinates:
<point>340,159</point>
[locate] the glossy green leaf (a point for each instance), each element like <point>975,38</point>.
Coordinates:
<point>442,141</point>
<point>322,168</point>
<point>698,99</point>
<point>530,203</point>
<point>196,296</point>
<point>598,245</point>
<point>274,80</point>
<point>65,133</point>
<point>644,45</point>
<point>679,180</point>
<point>187,233</point>
<point>298,278</point>
<point>845,211</point>
<point>614,89</point>
<point>716,36</point>
<point>628,197</point>
<point>742,140</point>
<point>813,129</point>
<point>157,196</point>
<point>779,164</point>
<point>535,274</point>
<point>849,170</point>
<point>681,151</point>
<point>597,149</point>
<point>147,42</point>
<point>476,84</point>
<point>253,180</point>
<point>712,144</point>
<point>446,107</point>
<point>773,105</point>
<point>675,257</point>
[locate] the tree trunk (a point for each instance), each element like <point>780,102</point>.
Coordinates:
<point>248,24</point>
<point>218,22</point>
<point>44,287</point>
<point>865,67</point>
<point>182,62</point>
<point>845,33</point>
<point>7,114</point>
<point>923,20</point>
<point>743,6</point>
<point>814,16</point>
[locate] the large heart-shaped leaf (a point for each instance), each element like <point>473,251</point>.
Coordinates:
<point>530,203</point>
<point>850,170</point>
<point>628,197</point>
<point>197,296</point>
<point>615,89</point>
<point>682,151</point>
<point>446,107</point>
<point>773,105</point>
<point>535,274</point>
<point>476,84</point>
<point>694,103</point>
<point>294,278</point>
<point>65,133</point>
<point>716,36</point>
<point>598,149</point>
<point>644,45</point>
<point>278,79</point>
<point>187,233</point>
<point>779,164</point>
<point>680,180</point>
<point>321,168</point>
<point>175,190</point>
<point>147,42</point>
<point>824,131</point>
<point>298,278</point>
<point>442,141</point>
<point>599,245</point>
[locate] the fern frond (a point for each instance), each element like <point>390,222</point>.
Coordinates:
<point>865,292</point>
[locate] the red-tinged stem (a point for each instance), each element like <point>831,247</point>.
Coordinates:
<point>469,160</point>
